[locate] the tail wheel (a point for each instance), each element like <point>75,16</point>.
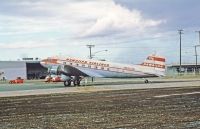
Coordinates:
<point>67,83</point>
<point>146,81</point>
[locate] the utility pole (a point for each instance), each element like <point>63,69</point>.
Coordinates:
<point>90,47</point>
<point>196,58</point>
<point>196,55</point>
<point>90,56</point>
<point>180,33</point>
<point>199,36</point>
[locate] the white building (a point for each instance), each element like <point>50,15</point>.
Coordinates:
<point>13,69</point>
<point>25,69</point>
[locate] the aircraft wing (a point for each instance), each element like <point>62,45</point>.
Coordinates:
<point>71,71</point>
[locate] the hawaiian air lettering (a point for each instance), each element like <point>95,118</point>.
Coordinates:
<point>154,65</point>
<point>78,61</point>
<point>156,58</point>
<point>99,64</point>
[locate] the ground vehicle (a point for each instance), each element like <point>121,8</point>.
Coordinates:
<point>17,81</point>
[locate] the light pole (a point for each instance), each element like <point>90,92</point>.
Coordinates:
<point>90,47</point>
<point>196,55</point>
<point>93,54</point>
<point>180,33</point>
<point>199,35</point>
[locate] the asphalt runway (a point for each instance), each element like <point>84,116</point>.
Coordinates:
<point>169,105</point>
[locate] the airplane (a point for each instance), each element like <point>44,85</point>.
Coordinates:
<point>70,70</point>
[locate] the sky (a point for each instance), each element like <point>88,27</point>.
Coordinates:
<point>129,30</point>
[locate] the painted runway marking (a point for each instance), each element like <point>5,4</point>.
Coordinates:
<point>162,96</point>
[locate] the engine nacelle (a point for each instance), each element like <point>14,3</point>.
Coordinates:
<point>56,70</point>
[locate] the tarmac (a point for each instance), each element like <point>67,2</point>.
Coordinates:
<point>41,88</point>
<point>113,104</point>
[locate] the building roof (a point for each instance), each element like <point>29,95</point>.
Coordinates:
<point>183,65</point>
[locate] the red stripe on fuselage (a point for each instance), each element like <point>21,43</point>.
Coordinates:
<point>156,59</point>
<point>50,61</point>
<point>153,65</point>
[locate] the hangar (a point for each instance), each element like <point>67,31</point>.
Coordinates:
<point>26,69</point>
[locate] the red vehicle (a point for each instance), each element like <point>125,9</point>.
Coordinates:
<point>17,81</point>
<point>53,79</point>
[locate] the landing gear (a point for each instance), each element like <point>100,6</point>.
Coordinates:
<point>75,79</point>
<point>146,81</point>
<point>76,82</point>
<point>67,83</point>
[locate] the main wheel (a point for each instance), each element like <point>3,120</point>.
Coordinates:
<point>78,82</point>
<point>146,81</point>
<point>75,82</point>
<point>67,83</point>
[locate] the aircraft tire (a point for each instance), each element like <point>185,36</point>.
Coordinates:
<point>78,83</point>
<point>75,82</point>
<point>67,83</point>
<point>146,81</point>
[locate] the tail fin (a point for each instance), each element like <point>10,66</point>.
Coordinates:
<point>155,61</point>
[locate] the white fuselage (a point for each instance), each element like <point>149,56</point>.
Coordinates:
<point>70,70</point>
<point>96,68</point>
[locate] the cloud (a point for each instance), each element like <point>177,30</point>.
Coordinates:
<point>81,18</point>
<point>69,23</point>
<point>26,45</point>
<point>120,20</point>
<point>106,18</point>
<point>12,25</point>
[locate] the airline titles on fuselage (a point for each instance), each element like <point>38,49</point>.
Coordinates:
<point>87,62</point>
<point>96,65</point>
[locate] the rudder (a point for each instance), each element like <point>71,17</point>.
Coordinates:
<point>155,62</point>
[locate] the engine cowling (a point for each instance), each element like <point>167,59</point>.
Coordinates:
<point>56,70</point>
<point>56,74</point>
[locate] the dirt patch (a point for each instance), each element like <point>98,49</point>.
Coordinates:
<point>106,109</point>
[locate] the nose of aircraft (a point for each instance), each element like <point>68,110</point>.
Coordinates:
<point>43,62</point>
<point>48,61</point>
